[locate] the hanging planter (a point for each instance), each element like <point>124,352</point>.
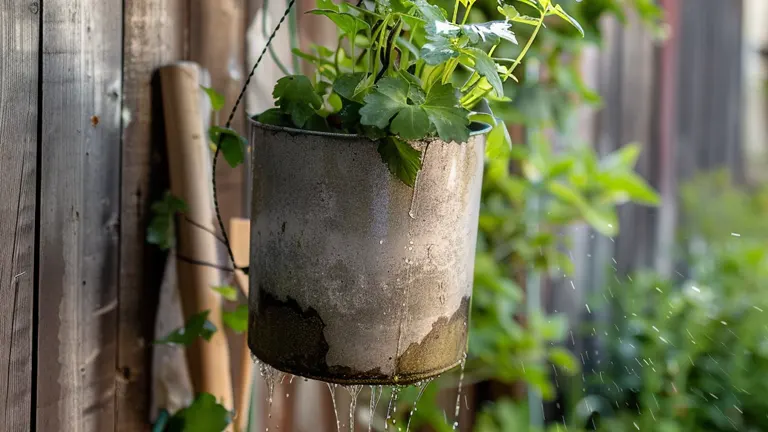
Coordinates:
<point>366,190</point>
<point>355,276</point>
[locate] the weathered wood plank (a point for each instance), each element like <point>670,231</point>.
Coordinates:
<point>19,46</point>
<point>217,45</point>
<point>79,214</point>
<point>154,36</point>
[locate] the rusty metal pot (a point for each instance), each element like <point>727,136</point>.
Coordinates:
<point>355,277</point>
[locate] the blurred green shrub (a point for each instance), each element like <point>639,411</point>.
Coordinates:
<point>692,354</point>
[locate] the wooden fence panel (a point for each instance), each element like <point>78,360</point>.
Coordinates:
<point>79,214</point>
<point>19,46</point>
<point>154,36</point>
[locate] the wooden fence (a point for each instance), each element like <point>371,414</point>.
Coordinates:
<point>81,159</point>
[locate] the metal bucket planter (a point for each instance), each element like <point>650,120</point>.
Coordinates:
<point>355,277</point>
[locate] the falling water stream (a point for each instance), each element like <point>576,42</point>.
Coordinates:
<point>354,392</point>
<point>273,376</point>
<point>375,397</point>
<point>392,407</point>
<point>422,386</point>
<point>458,393</point>
<point>332,389</point>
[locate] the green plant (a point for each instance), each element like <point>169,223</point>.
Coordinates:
<point>690,353</point>
<point>407,70</point>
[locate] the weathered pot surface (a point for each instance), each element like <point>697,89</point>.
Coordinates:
<point>357,278</point>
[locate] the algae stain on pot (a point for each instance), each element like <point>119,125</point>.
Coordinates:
<point>449,334</point>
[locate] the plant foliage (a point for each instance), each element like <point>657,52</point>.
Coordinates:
<point>405,71</point>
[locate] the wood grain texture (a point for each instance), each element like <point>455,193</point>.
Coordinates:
<point>79,214</point>
<point>216,43</point>
<point>19,45</point>
<point>154,36</point>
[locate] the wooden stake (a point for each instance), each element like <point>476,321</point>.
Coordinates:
<point>189,161</point>
<point>240,235</point>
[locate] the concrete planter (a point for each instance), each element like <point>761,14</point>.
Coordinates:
<point>355,277</point>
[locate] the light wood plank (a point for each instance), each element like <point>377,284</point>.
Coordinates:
<point>217,45</point>
<point>154,36</point>
<point>79,214</point>
<point>19,46</point>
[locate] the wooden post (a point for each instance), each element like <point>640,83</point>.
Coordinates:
<point>240,236</point>
<point>189,160</point>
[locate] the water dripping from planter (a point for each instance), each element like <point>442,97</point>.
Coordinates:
<point>392,407</point>
<point>458,394</point>
<point>354,392</point>
<point>271,377</point>
<point>374,403</point>
<point>422,386</point>
<point>332,389</point>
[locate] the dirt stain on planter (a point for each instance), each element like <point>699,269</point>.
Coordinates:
<point>447,337</point>
<point>291,339</point>
<point>281,333</point>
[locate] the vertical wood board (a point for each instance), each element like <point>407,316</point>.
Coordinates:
<point>154,36</point>
<point>19,46</point>
<point>79,214</point>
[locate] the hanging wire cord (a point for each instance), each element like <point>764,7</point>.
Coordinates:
<point>229,123</point>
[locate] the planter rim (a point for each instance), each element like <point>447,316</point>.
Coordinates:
<point>477,128</point>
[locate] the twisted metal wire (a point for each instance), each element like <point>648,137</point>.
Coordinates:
<point>229,123</point>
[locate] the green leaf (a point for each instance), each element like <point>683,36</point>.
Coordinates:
<point>203,415</point>
<point>197,326</point>
<point>621,159</point>
<point>430,12</point>
<point>628,186</point>
<point>410,123</point>
<point>438,51</point>
<point>296,97</point>
<point>498,143</point>
<point>483,117</point>
<point>346,85</point>
<point>532,3</point>
<point>231,143</point>
<point>160,231</point>
<point>217,100</point>
<point>489,32</point>
<point>602,219</point>
<point>389,97</point>
<point>513,15</point>
<point>402,160</point>
<point>443,110</point>
<point>486,67</point>
<point>347,23</point>
<point>227,291</point>
<point>275,117</point>
<point>558,10</point>
<point>563,359</point>
<point>237,320</point>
